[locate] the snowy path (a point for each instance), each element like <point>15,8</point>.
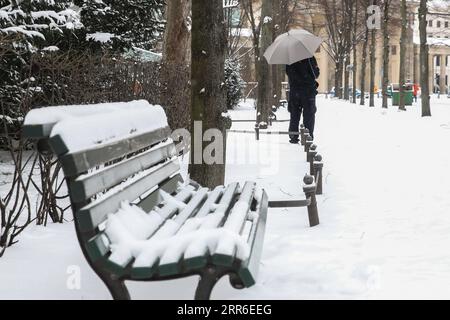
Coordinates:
<point>385,216</point>
<point>385,213</point>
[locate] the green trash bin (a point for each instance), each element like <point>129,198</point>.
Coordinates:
<point>408,93</point>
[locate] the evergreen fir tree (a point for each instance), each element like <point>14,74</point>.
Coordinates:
<point>233,82</point>
<point>26,27</point>
<point>119,25</point>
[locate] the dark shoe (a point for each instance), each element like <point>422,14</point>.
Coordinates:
<point>294,141</point>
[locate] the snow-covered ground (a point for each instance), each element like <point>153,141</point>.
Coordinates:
<point>385,216</point>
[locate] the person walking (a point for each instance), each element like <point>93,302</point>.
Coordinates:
<point>302,95</point>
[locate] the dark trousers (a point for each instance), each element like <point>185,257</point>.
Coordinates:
<point>300,102</point>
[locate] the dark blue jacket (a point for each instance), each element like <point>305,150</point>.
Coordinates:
<point>303,74</point>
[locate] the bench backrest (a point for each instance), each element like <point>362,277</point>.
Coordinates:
<point>131,163</point>
<point>100,179</point>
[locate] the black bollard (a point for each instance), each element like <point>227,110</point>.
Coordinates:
<point>310,192</point>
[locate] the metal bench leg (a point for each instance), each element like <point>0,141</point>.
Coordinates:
<point>117,288</point>
<point>236,282</point>
<point>206,284</point>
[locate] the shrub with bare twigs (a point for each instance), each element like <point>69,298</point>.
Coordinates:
<point>37,193</point>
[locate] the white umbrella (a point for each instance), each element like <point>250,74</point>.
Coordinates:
<point>292,46</point>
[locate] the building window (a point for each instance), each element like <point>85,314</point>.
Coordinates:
<point>446,24</point>
<point>438,24</point>
<point>233,17</point>
<point>394,50</point>
<point>430,23</point>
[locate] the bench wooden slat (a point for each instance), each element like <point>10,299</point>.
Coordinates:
<point>169,209</point>
<point>184,265</point>
<point>37,131</point>
<point>224,254</point>
<point>98,247</point>
<point>86,186</point>
<point>165,212</point>
<point>172,260</point>
<point>249,271</point>
<point>194,258</point>
<point>212,199</point>
<point>167,229</point>
<point>90,216</point>
<point>195,222</point>
<point>80,162</point>
<point>193,206</point>
<point>223,208</point>
<point>172,226</point>
<point>152,199</point>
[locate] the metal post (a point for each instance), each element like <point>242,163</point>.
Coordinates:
<point>257,131</point>
<point>310,158</point>
<point>318,170</point>
<point>310,192</point>
<point>309,142</point>
<point>302,132</point>
<point>304,135</point>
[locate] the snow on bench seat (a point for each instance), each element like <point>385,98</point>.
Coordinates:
<point>129,238</point>
<point>158,243</point>
<point>40,121</point>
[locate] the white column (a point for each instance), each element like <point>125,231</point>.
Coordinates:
<point>442,73</point>
<point>431,72</point>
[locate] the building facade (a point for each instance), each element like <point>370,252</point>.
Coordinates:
<point>311,19</point>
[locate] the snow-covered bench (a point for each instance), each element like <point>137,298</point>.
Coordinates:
<point>135,217</point>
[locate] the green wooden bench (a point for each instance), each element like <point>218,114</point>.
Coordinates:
<point>144,170</point>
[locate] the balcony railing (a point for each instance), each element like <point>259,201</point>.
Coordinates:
<point>227,4</point>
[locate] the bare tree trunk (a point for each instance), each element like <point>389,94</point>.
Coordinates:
<point>402,56</point>
<point>277,70</point>
<point>373,34</point>
<point>176,55</point>
<point>338,78</point>
<point>364,65</point>
<point>346,77</point>
<point>355,53</point>
<point>265,96</point>
<point>386,50</point>
<point>372,67</point>
<point>247,6</point>
<point>424,69</point>
<point>177,45</point>
<point>208,95</point>
<point>347,46</point>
